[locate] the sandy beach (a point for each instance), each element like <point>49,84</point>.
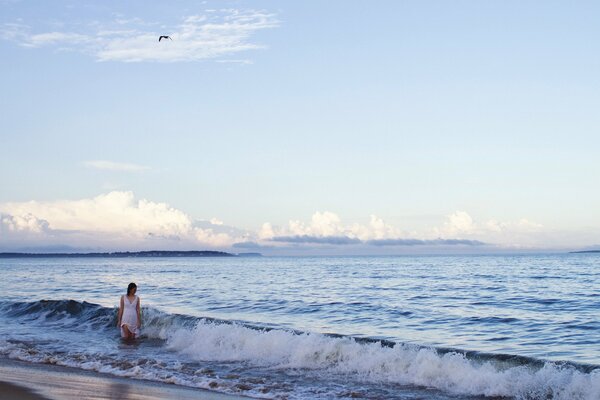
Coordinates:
<point>24,381</point>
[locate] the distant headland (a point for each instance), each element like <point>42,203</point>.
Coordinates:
<point>584,251</point>
<point>126,254</point>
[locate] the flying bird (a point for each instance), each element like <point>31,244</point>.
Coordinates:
<point>164,37</point>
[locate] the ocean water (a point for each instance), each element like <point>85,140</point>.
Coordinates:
<point>457,327</point>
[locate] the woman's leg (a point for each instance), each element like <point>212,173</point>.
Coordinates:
<point>126,333</point>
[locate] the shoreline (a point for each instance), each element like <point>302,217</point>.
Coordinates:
<point>30,381</point>
<point>127,254</point>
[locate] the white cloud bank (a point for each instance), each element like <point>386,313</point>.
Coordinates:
<point>327,228</point>
<point>516,234</point>
<point>458,230</point>
<point>328,224</point>
<point>23,223</point>
<point>215,34</point>
<point>114,219</point>
<point>119,221</point>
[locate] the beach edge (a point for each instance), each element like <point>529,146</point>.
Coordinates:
<point>24,380</point>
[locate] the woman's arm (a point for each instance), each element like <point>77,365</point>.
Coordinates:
<point>120,312</point>
<point>139,313</point>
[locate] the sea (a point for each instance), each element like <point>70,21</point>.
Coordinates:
<point>406,327</point>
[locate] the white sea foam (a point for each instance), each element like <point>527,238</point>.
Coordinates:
<point>372,362</point>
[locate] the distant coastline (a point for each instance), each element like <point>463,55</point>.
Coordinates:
<point>127,254</point>
<point>584,251</point>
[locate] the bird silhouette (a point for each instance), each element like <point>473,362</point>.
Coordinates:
<point>164,37</point>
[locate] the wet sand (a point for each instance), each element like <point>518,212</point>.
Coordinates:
<point>8,391</point>
<point>25,381</point>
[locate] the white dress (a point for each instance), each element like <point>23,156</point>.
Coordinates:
<point>129,317</point>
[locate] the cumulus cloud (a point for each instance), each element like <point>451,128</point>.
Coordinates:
<point>23,223</point>
<point>523,225</point>
<point>459,222</point>
<point>118,220</point>
<point>215,34</point>
<point>520,233</point>
<point>327,228</point>
<point>115,166</point>
<point>266,231</point>
<point>377,229</point>
<point>458,229</point>
<point>211,238</point>
<point>115,217</point>
<point>328,225</point>
<point>112,212</point>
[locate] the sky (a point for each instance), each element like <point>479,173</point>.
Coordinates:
<point>310,127</point>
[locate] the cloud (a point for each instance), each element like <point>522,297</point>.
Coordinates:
<point>377,229</point>
<point>112,212</point>
<point>266,231</point>
<point>213,239</point>
<point>212,35</point>
<point>321,224</point>
<point>329,224</point>
<point>335,240</point>
<point>459,222</point>
<point>56,38</point>
<point>421,242</point>
<point>13,32</point>
<point>327,228</point>
<point>459,230</point>
<point>115,219</point>
<point>523,225</point>
<point>231,61</point>
<point>522,233</point>
<point>23,223</point>
<point>251,246</point>
<point>115,166</point>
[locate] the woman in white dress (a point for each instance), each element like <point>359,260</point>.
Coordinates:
<point>130,319</point>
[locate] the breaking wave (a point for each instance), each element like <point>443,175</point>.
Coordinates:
<point>318,355</point>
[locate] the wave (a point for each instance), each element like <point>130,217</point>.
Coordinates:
<point>403,364</point>
<point>363,360</point>
<point>63,312</point>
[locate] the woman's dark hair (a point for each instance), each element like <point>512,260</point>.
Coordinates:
<point>130,287</point>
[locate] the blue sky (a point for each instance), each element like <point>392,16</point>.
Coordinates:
<point>315,122</point>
